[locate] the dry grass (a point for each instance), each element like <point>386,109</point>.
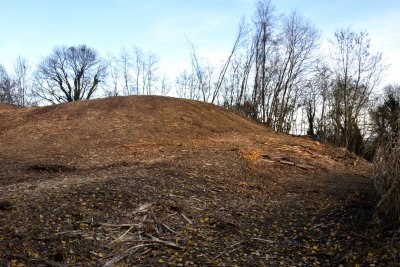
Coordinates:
<point>251,155</point>
<point>387,181</point>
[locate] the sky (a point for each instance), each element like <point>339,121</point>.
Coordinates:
<point>32,29</point>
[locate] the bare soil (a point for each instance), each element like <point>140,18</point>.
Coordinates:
<point>148,181</point>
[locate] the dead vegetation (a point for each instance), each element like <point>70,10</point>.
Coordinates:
<point>159,181</point>
<point>387,179</point>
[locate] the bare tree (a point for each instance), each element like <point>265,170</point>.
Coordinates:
<point>165,85</point>
<point>264,46</point>
<point>299,41</point>
<point>201,73</point>
<point>310,103</point>
<point>144,71</point>
<point>21,68</point>
<point>185,85</point>
<point>323,82</point>
<point>236,82</point>
<point>283,51</point>
<point>198,82</point>
<point>125,65</point>
<point>69,74</point>
<point>114,75</point>
<point>246,67</point>
<point>232,83</point>
<point>314,100</point>
<point>150,77</point>
<point>240,35</point>
<point>357,72</point>
<point>7,88</point>
<point>138,67</point>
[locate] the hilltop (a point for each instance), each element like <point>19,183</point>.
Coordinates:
<point>154,180</point>
<point>107,131</point>
<point>101,131</point>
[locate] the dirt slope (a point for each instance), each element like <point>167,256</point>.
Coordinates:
<point>149,180</point>
<point>98,130</point>
<point>106,131</point>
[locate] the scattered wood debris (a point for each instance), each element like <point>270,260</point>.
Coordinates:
<point>150,189</point>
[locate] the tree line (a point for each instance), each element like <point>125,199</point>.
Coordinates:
<point>276,73</point>
<point>73,73</point>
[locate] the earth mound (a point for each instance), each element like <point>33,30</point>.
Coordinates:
<point>99,131</point>
<point>159,181</point>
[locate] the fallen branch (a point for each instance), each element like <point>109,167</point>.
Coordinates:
<point>143,208</point>
<point>122,236</point>
<point>121,225</point>
<point>124,254</point>
<point>168,228</point>
<point>154,240</point>
<point>46,262</point>
<point>186,218</point>
<point>72,232</point>
<point>229,252</point>
<point>287,162</point>
<point>305,167</point>
<point>164,242</point>
<point>263,240</point>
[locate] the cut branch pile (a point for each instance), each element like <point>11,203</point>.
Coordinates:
<point>387,181</point>
<point>287,160</point>
<point>145,231</point>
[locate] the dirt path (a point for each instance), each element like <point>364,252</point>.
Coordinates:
<point>186,211</point>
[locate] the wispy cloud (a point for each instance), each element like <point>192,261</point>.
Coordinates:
<point>212,37</point>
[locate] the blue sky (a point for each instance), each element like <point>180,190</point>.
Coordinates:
<point>32,28</point>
